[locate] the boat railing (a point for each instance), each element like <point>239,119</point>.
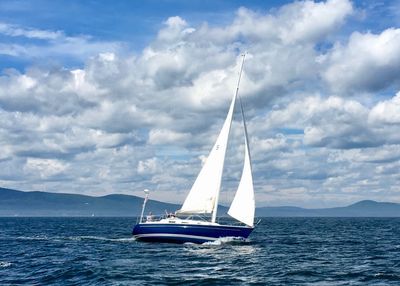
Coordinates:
<point>197,217</point>
<point>221,220</point>
<point>150,217</point>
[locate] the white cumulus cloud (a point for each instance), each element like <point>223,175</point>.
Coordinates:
<point>122,122</point>
<point>367,62</point>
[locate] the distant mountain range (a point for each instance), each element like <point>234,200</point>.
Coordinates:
<point>18,203</point>
<point>366,208</point>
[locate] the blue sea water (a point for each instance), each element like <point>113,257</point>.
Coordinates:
<point>281,251</point>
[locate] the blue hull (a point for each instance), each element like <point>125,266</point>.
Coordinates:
<point>181,233</point>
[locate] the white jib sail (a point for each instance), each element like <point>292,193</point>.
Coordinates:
<point>203,196</point>
<point>243,204</point>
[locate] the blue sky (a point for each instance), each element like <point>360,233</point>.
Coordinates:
<point>101,97</point>
<point>134,24</point>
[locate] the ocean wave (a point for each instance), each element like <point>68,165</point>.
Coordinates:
<point>4,264</point>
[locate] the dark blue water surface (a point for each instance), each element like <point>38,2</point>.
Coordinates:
<point>281,251</point>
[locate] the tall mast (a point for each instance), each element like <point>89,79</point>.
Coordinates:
<point>215,210</point>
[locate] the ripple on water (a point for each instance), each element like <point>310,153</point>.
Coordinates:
<point>281,251</point>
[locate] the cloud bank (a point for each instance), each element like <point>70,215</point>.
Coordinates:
<point>324,122</point>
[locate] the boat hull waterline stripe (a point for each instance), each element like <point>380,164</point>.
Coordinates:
<point>167,235</point>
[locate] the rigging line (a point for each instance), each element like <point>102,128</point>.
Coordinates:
<point>242,110</point>
<point>240,74</point>
<point>245,129</point>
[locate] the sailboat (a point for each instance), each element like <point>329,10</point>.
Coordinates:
<point>196,221</point>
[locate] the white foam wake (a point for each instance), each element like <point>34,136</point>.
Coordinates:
<point>36,237</point>
<point>90,237</point>
<point>76,238</point>
<point>226,240</point>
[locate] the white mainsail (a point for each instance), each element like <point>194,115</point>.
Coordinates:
<point>243,204</point>
<point>203,196</point>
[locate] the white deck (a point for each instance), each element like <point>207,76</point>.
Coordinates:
<point>176,220</point>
